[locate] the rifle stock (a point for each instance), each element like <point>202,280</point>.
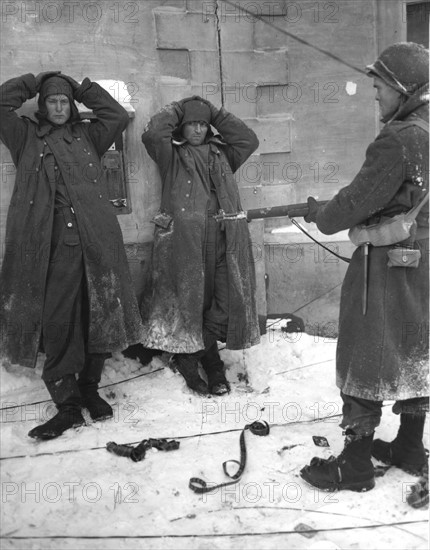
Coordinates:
<point>298,210</point>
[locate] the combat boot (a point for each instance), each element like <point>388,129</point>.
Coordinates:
<point>88,383</point>
<point>188,366</point>
<point>352,470</point>
<point>214,369</point>
<point>66,396</point>
<point>139,353</point>
<point>406,451</point>
<point>419,495</point>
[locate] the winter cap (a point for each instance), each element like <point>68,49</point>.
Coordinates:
<point>403,66</point>
<point>52,86</point>
<point>55,85</point>
<point>196,110</point>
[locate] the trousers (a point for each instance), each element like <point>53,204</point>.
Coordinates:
<point>363,415</point>
<point>65,306</point>
<point>216,302</point>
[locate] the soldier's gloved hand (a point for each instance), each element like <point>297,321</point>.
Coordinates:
<point>73,83</point>
<point>311,216</point>
<point>43,76</point>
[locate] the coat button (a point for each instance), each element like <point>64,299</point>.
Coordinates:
<point>95,181</point>
<point>189,181</point>
<point>70,224</point>
<point>41,155</point>
<point>187,195</point>
<point>90,164</point>
<point>31,202</point>
<point>183,209</point>
<point>100,196</point>
<point>55,167</point>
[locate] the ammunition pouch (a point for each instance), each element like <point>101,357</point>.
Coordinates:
<point>389,231</point>
<point>403,257</point>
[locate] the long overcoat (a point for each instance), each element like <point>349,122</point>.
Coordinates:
<point>384,353</point>
<point>114,318</point>
<point>173,317</point>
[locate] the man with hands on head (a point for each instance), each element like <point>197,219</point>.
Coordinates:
<point>65,283</point>
<point>203,278</point>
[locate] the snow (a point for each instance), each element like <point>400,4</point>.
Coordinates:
<point>71,493</point>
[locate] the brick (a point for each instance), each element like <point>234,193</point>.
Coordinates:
<point>258,67</point>
<point>236,101</point>
<point>205,70</point>
<point>276,99</point>
<point>184,31</point>
<point>275,168</point>
<point>274,134</point>
<point>177,4</point>
<point>251,197</point>
<point>249,174</point>
<point>236,35</point>
<point>270,38</point>
<point>175,63</point>
<point>204,8</point>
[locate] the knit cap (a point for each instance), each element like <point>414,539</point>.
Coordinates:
<point>52,86</point>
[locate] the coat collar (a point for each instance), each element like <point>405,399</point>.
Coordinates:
<point>419,99</point>
<point>215,140</point>
<point>68,132</point>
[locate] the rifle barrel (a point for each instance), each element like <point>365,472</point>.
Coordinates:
<point>298,210</point>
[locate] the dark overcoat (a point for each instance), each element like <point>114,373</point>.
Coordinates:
<point>114,318</point>
<point>384,354</point>
<point>173,317</point>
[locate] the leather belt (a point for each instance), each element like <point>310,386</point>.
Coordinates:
<point>199,486</point>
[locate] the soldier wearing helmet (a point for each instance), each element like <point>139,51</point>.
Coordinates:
<point>382,351</point>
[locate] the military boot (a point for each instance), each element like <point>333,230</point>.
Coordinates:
<point>406,451</point>
<point>88,382</point>
<point>419,495</point>
<point>66,396</point>
<point>188,366</point>
<point>214,369</point>
<point>139,353</point>
<point>351,470</point>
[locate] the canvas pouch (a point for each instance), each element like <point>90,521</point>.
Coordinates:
<point>403,257</point>
<point>389,231</point>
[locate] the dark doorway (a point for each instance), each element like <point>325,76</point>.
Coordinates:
<point>417,23</point>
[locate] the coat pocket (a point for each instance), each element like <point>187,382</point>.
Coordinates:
<point>70,232</point>
<point>403,257</point>
<point>162,220</point>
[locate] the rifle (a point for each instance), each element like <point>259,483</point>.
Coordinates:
<point>291,211</point>
<point>298,210</point>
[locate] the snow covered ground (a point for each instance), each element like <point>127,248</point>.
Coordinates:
<point>71,493</point>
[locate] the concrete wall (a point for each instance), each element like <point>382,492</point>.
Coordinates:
<point>295,77</point>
